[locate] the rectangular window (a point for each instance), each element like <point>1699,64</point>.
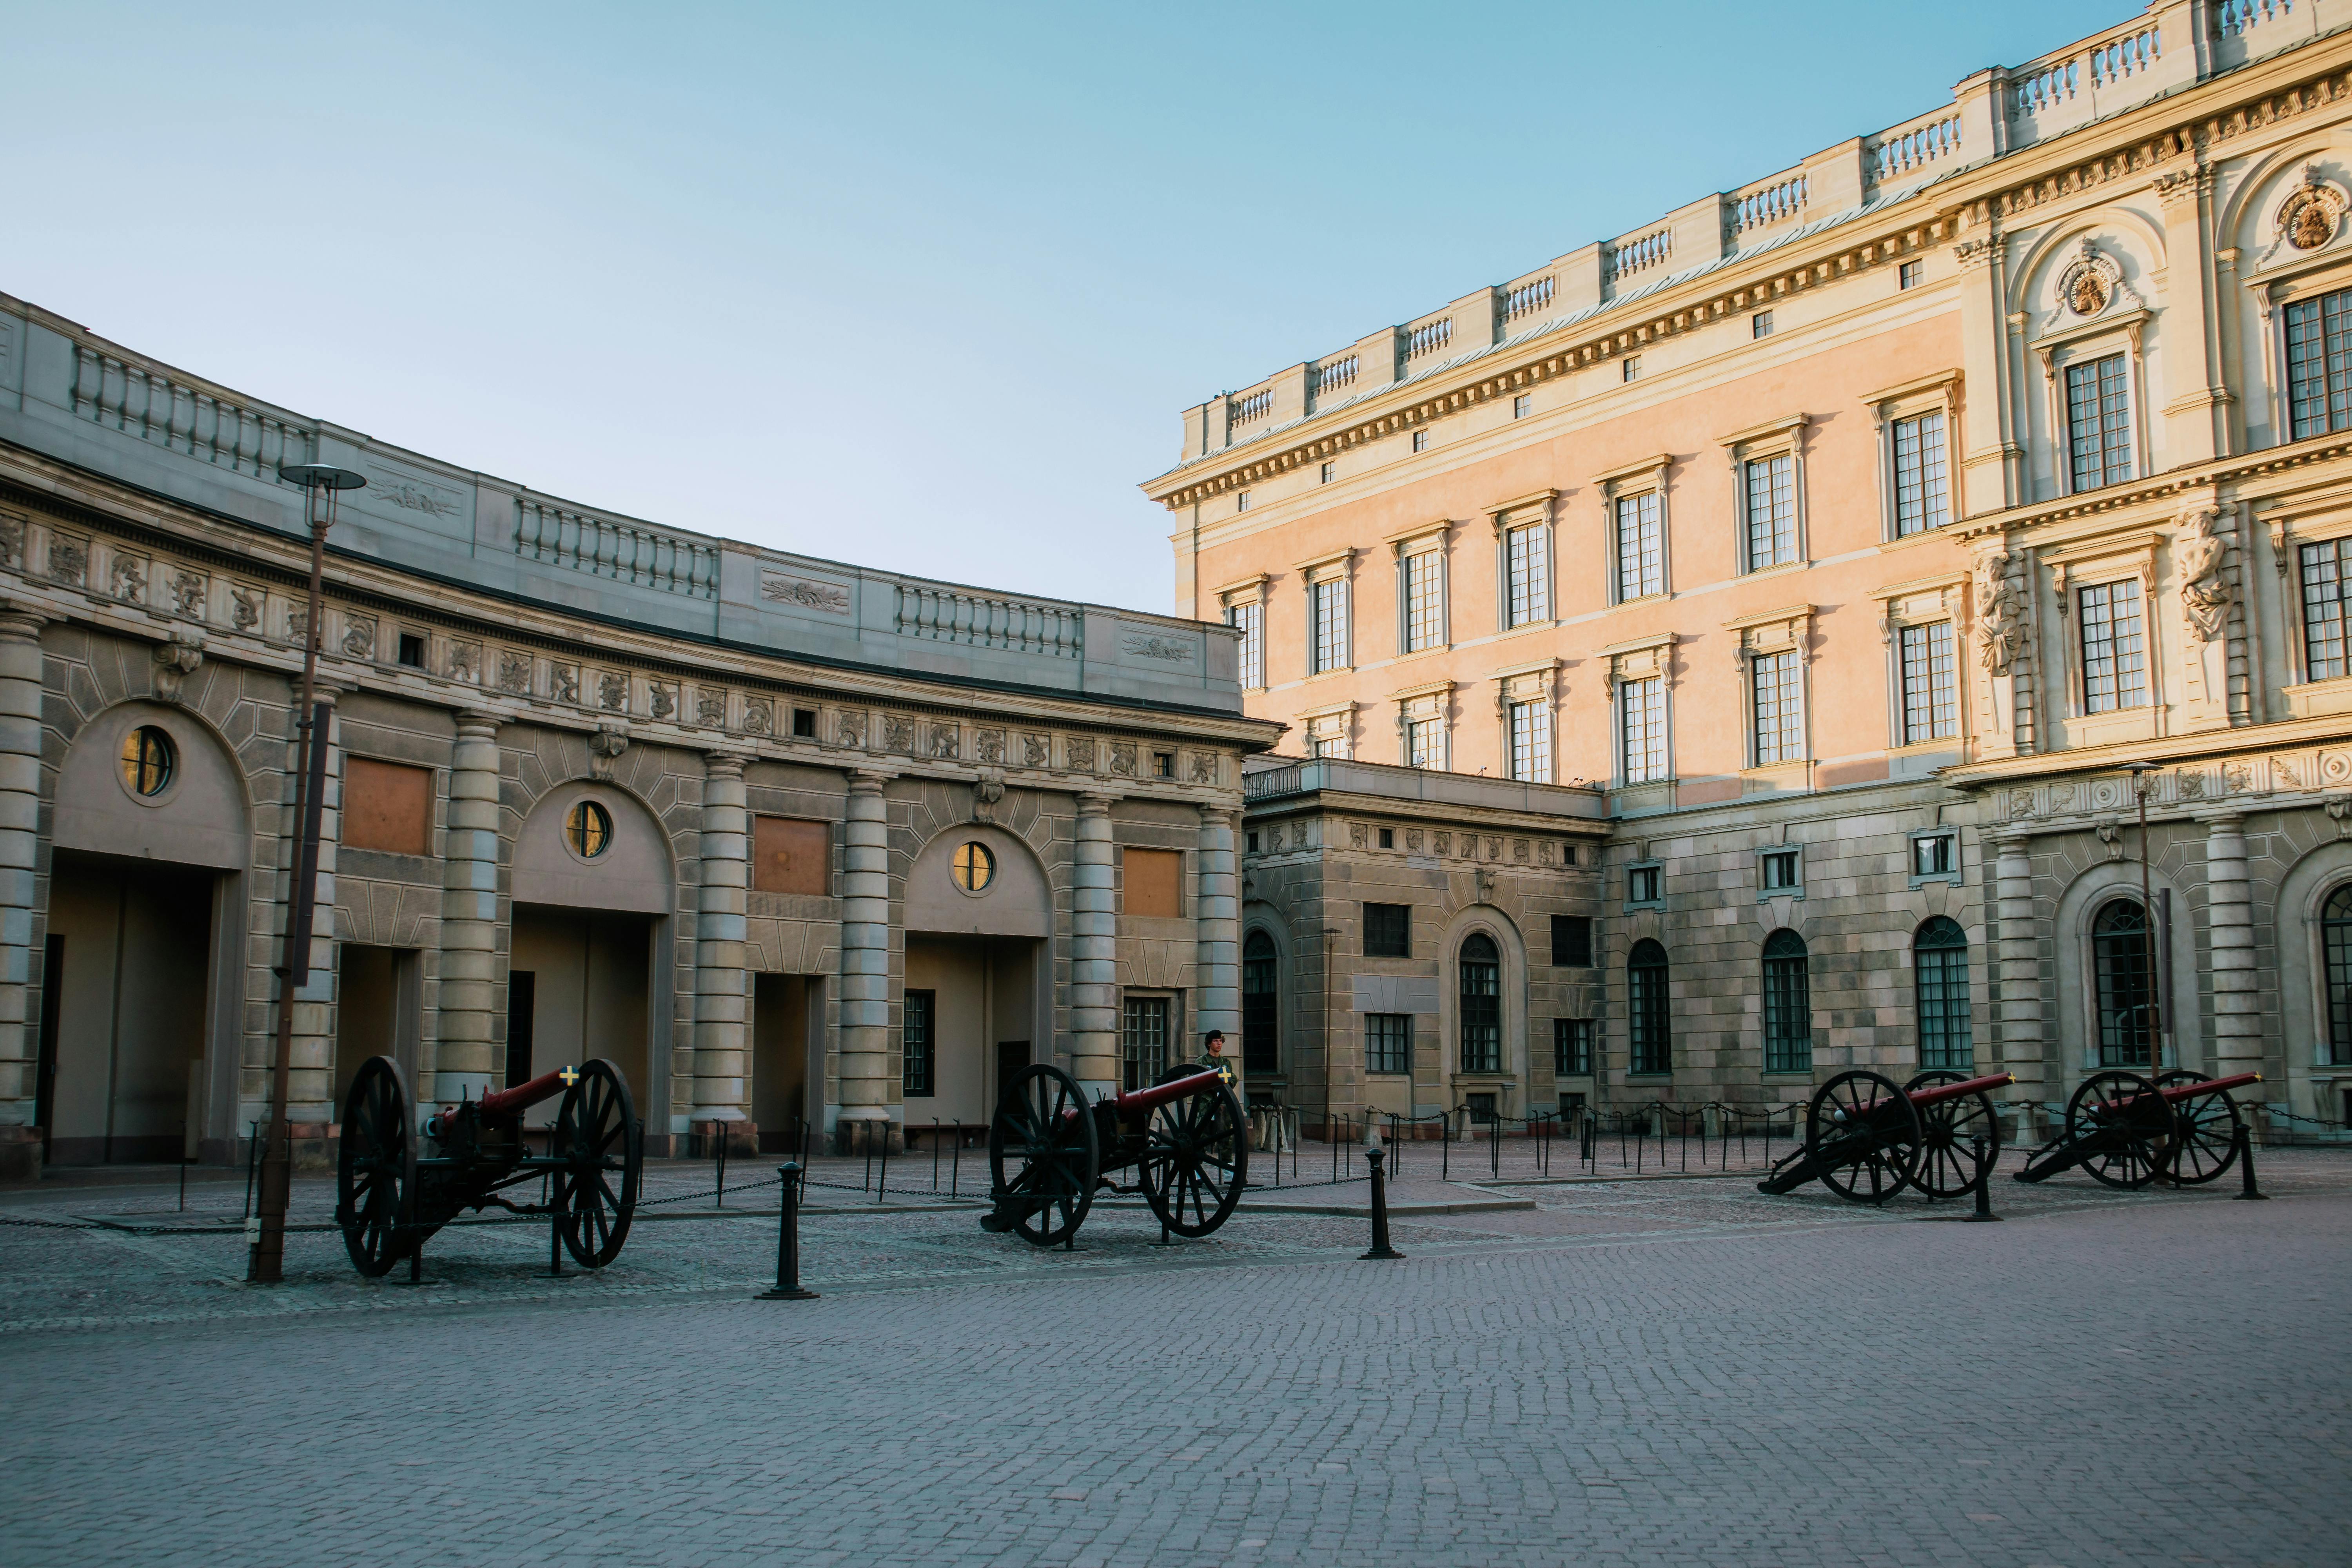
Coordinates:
<point>1571,941</point>
<point>915,1043</point>
<point>1388,931</point>
<point>1154,883</point>
<point>805,722</point>
<point>1420,440</point>
<point>1425,742</point>
<point>1783,870</point>
<point>1931,691</point>
<point>387,807</point>
<point>1922,483</point>
<point>1934,854</point>
<point>1425,602</point>
<point>1643,884</point>
<point>1632,369</point>
<point>1571,1047</point>
<point>1388,1042</point>
<point>2098,422</point>
<point>1641,711</point>
<point>1779,710</point>
<point>1788,1014</point>
<point>1387,837</point>
<point>1329,611</point>
<point>1771,512</point>
<point>1250,621</point>
<point>1531,742</point>
<point>1522,406</point>
<point>2323,608</point>
<point>2115,655</point>
<point>1330,472</point>
<point>1760,325</point>
<point>1640,547</point>
<point>1910,274</point>
<point>1144,1041</point>
<point>412,650</point>
<point>1526,562</point>
<point>2319,364</point>
<point>792,855</point>
<point>1241,501</point>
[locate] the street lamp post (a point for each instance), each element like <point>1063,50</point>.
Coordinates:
<point>320,483</point>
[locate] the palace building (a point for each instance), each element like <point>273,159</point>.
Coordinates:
<point>1735,650</point>
<point>788,840</point>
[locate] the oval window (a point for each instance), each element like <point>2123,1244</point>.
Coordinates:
<point>147,760</point>
<point>589,828</point>
<point>975,867</point>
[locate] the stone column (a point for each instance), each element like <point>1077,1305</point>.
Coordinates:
<point>460,1062</point>
<point>1093,954</point>
<point>2230,931</point>
<point>1218,919</point>
<point>20,802</point>
<point>719,938</point>
<point>864,965</point>
<point>2017,989</point>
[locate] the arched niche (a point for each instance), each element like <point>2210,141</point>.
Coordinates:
<point>1017,901</point>
<point>2316,1085</point>
<point>631,876</point>
<point>2078,1004</point>
<point>1511,950</point>
<point>198,818</point>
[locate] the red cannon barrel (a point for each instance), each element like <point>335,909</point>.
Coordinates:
<point>523,1096</point>
<point>2210,1086</point>
<point>1937,1093</point>
<point>1159,1094</point>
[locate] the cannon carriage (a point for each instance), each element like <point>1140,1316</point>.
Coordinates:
<point>391,1195</point>
<point>1867,1139</point>
<point>1049,1151</point>
<point>2125,1130</point>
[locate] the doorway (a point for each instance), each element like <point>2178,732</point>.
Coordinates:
<point>125,998</point>
<point>981,1010</point>
<point>781,1028</point>
<point>586,992</point>
<point>376,1011</point>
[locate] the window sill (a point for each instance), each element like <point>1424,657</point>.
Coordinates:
<point>2319,699</point>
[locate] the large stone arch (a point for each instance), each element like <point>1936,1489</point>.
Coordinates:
<point>636,874</point>
<point>202,817</point>
<point>2315,1085</point>
<point>1512,944</point>
<point>1018,901</point>
<point>2074,1032</point>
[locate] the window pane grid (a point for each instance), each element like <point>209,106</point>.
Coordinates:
<point>2098,422</point>
<point>1941,967</point>
<point>2119,952</point>
<point>1780,720</point>
<point>1425,741</point>
<point>1481,1007</point>
<point>1330,617</point>
<point>1260,1007</point>
<point>1250,621</point>
<point>2115,654</point>
<point>1788,1005</point>
<point>1531,744</point>
<point>1931,695</point>
<point>1640,547</point>
<point>1921,501</point>
<point>1425,603</point>
<point>1527,561</point>
<point>1571,1047</point>
<point>1771,512</point>
<point>1646,1009</point>
<point>1642,705</point>
<point>2319,364</point>
<point>2322,609</point>
<point>2335,934</point>
<point>1388,1042</point>
<point>915,1037</point>
<point>1144,1040</point>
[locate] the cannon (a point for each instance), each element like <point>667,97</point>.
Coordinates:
<point>2125,1130</point>
<point>1866,1139</point>
<point>390,1196</point>
<point>1049,1151</point>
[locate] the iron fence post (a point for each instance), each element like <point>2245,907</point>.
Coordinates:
<point>2247,1189</point>
<point>788,1240</point>
<point>1382,1251</point>
<point>1984,1182</point>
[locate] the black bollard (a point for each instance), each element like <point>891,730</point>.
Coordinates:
<point>2246,1167</point>
<point>788,1240</point>
<point>1382,1251</point>
<point>1984,1182</point>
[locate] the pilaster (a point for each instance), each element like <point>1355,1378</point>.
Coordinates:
<point>1217,967</point>
<point>864,1064</point>
<point>720,931</point>
<point>2017,987</point>
<point>461,1058</point>
<point>2229,955</point>
<point>1094,953</point>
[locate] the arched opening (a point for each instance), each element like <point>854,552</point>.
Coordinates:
<point>2123,983</point>
<point>1480,1018</point>
<point>1939,974</point>
<point>1261,1006</point>
<point>1788,1005</point>
<point>978,910</point>
<point>1649,1034</point>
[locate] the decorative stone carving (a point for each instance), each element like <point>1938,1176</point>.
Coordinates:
<point>564,682</point>
<point>2312,212</point>
<point>986,791</point>
<point>297,625</point>
<point>1518,849</point>
<point>947,740</point>
<point>1355,835</point>
<point>69,558</point>
<point>661,698</point>
<point>359,636</point>
<point>2237,778</point>
<point>244,607</point>
<point>189,593</point>
<point>612,691</point>
<point>2339,811</point>
<point>988,746</point>
<point>830,597</point>
<point>1485,878</point>
<point>465,662</point>
<point>126,580</point>
<point>611,739</point>
<point>2189,786</point>
<point>514,669</point>
<point>1205,768</point>
<point>1171,650</point>
<point>1413,839</point>
<point>12,541</point>
<point>1082,754</point>
<point>710,707</point>
<point>849,730</point>
<point>176,661</point>
<point>759,716</point>
<point>2020,803</point>
<point>2093,282</point>
<point>1122,757</point>
<point>1543,852</point>
<point>897,732</point>
<point>1444,843</point>
<point>2000,614</point>
<point>2205,591</point>
<point>2111,834</point>
<point>1036,751</point>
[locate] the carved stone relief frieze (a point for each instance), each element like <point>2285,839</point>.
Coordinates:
<point>1122,757</point>
<point>1036,751</point>
<point>1081,751</point>
<point>127,579</point>
<point>244,607</point>
<point>69,558</point>
<point>710,707</point>
<point>563,683</point>
<point>465,662</point>
<point>12,541</point>
<point>189,592</point>
<point>1205,768</point>
<point>849,729</point>
<point>612,691</point>
<point>514,669</point>
<point>359,636</point>
<point>988,747</point>
<point>661,699</point>
<point>947,740</point>
<point>759,716</point>
<point>897,732</point>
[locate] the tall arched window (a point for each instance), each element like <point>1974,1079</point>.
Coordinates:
<point>2335,935</point>
<point>1939,973</point>
<point>1646,1009</point>
<point>1788,1005</point>
<point>1261,1006</point>
<point>2119,961</point>
<point>1482,1004</point>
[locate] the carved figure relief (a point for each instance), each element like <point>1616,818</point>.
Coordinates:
<point>1518,849</point>
<point>988,746</point>
<point>514,669</point>
<point>12,541</point>
<point>2205,591</point>
<point>1205,768</point>
<point>2020,803</point>
<point>69,558</point>
<point>128,580</point>
<point>897,732</point>
<point>1412,840</point>
<point>612,691</point>
<point>176,661</point>
<point>359,636</point>
<point>465,662</point>
<point>661,695</point>
<point>759,716</point>
<point>1122,757</point>
<point>1036,751</point>
<point>1444,843</point>
<point>188,593</point>
<point>297,625</point>
<point>830,597</point>
<point>2092,282</point>
<point>1082,753</point>
<point>611,739</point>
<point>2000,614</point>
<point>946,740</point>
<point>710,707</point>
<point>851,730</point>
<point>2190,786</point>
<point>986,791</point>
<point>564,682</point>
<point>2310,217</point>
<point>1173,650</point>
<point>244,607</point>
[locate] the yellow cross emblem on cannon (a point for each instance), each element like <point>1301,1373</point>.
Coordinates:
<point>569,1075</point>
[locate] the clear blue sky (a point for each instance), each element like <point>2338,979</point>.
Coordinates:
<point>920,284</point>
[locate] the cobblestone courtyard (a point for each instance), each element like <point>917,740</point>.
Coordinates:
<point>1633,1371</point>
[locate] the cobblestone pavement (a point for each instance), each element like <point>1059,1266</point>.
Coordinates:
<point>1676,1370</point>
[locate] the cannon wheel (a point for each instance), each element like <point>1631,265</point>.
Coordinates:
<point>1947,1164</point>
<point>375,1169</point>
<point>1045,1155</point>
<point>2123,1126</point>
<point>603,1146</point>
<point>2208,1126</point>
<point>1195,1157</point>
<point>1866,1134</point>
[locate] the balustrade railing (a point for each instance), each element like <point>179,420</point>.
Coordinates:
<point>1271,782</point>
<point>2237,16</point>
<point>1768,205</point>
<point>1893,154</point>
<point>621,552</point>
<point>1256,406</point>
<point>1528,298</point>
<point>978,620</point>
<point>182,418</point>
<point>1334,374</point>
<point>1429,337</point>
<point>2051,84</point>
<point>1629,257</point>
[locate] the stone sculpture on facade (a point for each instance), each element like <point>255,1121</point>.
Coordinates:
<point>2205,591</point>
<point>2000,614</point>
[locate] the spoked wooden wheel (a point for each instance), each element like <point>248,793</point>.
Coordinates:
<point>602,1147</point>
<point>2207,1131</point>
<point>2125,1128</point>
<point>1195,1157</point>
<point>1865,1135</point>
<point>1044,1156</point>
<point>375,1168</point>
<point>1947,1158</point>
